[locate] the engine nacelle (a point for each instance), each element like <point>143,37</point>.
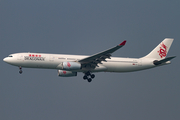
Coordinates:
<point>63,73</point>
<point>71,66</point>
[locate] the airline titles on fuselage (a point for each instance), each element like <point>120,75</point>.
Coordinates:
<point>34,57</point>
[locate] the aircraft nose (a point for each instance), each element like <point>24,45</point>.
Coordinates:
<point>5,59</point>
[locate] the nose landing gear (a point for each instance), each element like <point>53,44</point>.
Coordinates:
<point>20,70</point>
<point>88,76</point>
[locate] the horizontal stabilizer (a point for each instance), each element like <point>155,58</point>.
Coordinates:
<point>156,62</point>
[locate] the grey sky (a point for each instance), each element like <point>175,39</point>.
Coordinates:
<point>87,27</point>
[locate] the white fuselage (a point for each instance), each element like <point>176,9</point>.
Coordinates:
<point>69,65</point>
<point>53,61</point>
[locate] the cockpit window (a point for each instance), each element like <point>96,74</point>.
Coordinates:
<point>10,56</point>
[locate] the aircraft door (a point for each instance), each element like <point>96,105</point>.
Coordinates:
<point>139,62</point>
<point>51,58</point>
<point>20,57</point>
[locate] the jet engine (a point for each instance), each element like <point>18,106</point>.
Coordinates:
<point>71,66</point>
<point>63,73</point>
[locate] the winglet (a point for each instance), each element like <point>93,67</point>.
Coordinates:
<point>123,43</point>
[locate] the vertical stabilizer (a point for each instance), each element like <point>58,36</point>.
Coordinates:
<point>161,50</point>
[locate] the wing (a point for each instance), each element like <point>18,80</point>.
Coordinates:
<point>95,59</point>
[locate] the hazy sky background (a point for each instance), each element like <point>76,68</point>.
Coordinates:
<point>86,27</point>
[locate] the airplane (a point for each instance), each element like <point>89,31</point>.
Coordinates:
<point>69,65</point>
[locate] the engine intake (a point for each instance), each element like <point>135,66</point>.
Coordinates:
<point>63,73</point>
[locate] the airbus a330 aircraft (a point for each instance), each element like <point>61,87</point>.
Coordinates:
<point>69,65</point>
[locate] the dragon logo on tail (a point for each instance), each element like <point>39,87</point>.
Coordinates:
<point>163,50</point>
